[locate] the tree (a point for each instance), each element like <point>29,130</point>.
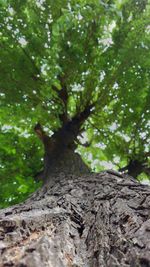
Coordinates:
<point>59,58</point>
<point>79,75</point>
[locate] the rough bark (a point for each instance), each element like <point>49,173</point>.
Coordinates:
<point>74,221</point>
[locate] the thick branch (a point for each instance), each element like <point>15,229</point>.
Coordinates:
<point>135,168</point>
<point>63,96</point>
<point>39,131</point>
<point>72,128</point>
<point>48,142</point>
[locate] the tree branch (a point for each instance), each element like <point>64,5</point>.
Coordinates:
<point>63,96</point>
<point>46,140</point>
<point>39,131</point>
<point>136,167</point>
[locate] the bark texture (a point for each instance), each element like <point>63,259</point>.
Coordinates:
<point>79,221</point>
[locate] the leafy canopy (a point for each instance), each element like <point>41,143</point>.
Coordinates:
<point>101,49</point>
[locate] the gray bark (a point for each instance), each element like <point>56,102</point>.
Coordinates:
<point>79,221</point>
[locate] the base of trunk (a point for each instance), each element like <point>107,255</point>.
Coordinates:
<point>95,220</point>
<point>67,162</point>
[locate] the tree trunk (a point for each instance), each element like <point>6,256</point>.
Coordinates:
<point>77,219</point>
<point>74,221</point>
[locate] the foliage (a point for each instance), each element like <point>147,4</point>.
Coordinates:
<point>101,49</point>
